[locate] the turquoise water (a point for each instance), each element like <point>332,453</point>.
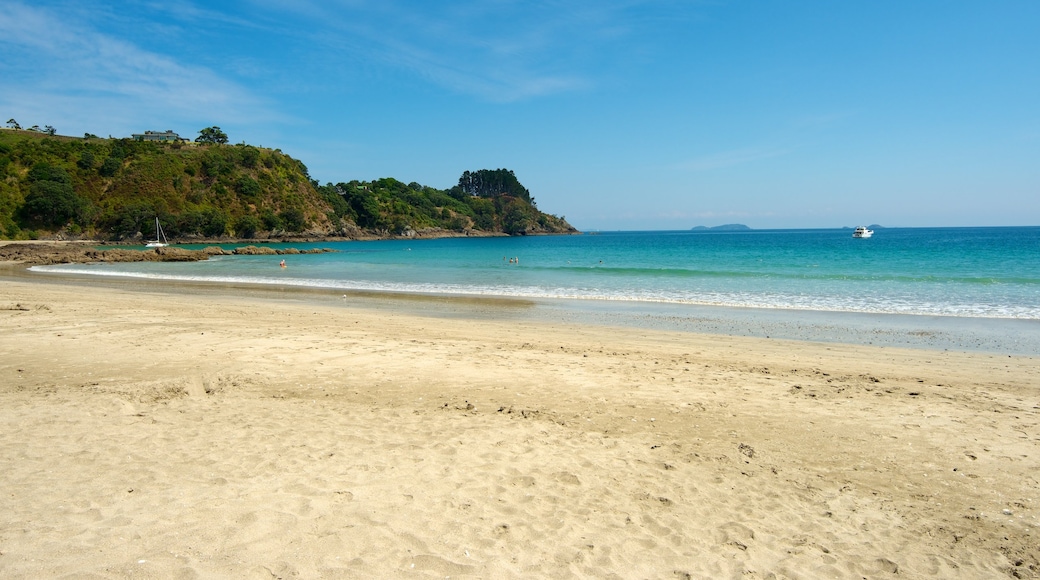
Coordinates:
<point>960,272</point>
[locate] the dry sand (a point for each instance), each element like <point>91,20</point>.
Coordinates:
<point>155,435</point>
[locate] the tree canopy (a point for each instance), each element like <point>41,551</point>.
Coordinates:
<point>212,135</point>
<point>493,182</point>
<point>115,188</point>
<point>51,200</point>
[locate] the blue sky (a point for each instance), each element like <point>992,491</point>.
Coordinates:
<point>618,114</point>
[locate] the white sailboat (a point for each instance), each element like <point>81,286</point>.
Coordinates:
<point>160,240</point>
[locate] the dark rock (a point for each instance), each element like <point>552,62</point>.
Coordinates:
<point>255,251</point>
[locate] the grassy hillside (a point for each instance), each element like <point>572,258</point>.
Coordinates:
<point>54,186</point>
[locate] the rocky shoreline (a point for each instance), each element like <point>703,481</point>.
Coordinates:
<point>42,253</point>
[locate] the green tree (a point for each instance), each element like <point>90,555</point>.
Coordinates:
<point>117,151</point>
<point>129,220</point>
<point>517,218</point>
<point>248,188</point>
<point>189,223</point>
<point>248,156</point>
<point>111,166</point>
<point>364,204</point>
<point>333,194</point>
<point>216,222</point>
<point>270,221</point>
<point>493,182</point>
<point>13,124</point>
<point>215,163</point>
<point>51,203</point>
<point>212,135</point>
<point>51,200</point>
<point>457,223</point>
<point>86,160</point>
<point>209,221</point>
<point>47,172</point>
<point>293,220</point>
<point>483,213</point>
<point>49,130</point>
<point>246,226</point>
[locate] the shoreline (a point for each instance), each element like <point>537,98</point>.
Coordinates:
<point>928,332</point>
<point>425,234</point>
<point>210,432</point>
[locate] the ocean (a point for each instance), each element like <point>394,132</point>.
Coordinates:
<point>963,275</point>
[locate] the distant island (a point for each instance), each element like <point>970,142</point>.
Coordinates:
<point>722,228</point>
<point>68,188</point>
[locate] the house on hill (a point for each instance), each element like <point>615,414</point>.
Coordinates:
<point>169,136</point>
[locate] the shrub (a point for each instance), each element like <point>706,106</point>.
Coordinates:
<point>51,200</point>
<point>128,220</point>
<point>52,203</point>
<point>246,226</point>
<point>86,160</point>
<point>111,166</point>
<point>248,156</point>
<point>293,220</point>
<point>270,221</point>
<point>216,223</point>
<point>248,188</point>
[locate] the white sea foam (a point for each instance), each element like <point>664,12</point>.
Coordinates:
<point>862,303</point>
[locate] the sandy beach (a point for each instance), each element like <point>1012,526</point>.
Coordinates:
<point>151,434</point>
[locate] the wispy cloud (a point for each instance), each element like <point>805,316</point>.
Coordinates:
<point>188,12</point>
<point>56,65</point>
<point>504,50</point>
<point>731,158</point>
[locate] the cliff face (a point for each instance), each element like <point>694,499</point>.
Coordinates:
<point>113,189</point>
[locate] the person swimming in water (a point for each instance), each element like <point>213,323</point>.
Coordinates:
<point>283,263</point>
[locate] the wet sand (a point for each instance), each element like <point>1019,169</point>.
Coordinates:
<point>235,434</point>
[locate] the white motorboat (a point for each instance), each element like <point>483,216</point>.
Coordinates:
<point>862,232</point>
<point>160,240</point>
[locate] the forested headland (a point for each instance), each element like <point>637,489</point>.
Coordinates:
<point>58,187</point>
